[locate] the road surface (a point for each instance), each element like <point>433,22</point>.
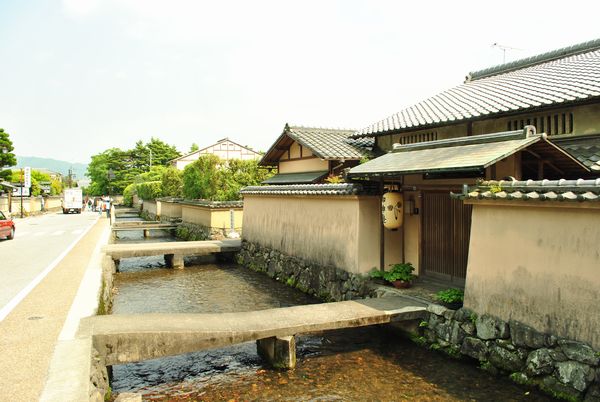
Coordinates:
<point>40,243</point>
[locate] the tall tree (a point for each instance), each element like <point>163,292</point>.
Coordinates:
<point>7,157</point>
<point>154,153</point>
<point>194,147</point>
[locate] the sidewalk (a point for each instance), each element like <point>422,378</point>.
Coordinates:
<point>29,334</point>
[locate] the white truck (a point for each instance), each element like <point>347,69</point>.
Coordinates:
<point>72,200</point>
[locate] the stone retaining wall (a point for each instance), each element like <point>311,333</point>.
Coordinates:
<point>326,282</point>
<point>561,367</point>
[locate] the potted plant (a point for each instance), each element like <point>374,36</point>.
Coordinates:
<point>400,275</point>
<point>451,298</point>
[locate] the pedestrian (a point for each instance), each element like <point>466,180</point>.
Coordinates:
<point>107,206</point>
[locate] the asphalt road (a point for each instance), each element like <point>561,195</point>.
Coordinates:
<point>40,243</point>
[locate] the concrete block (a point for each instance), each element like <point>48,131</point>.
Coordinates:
<point>174,261</point>
<point>279,352</point>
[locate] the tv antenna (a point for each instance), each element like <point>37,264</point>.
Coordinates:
<point>504,49</point>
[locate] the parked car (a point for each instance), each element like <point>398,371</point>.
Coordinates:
<point>7,227</point>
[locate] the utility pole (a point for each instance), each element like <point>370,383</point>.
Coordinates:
<point>70,177</point>
<point>22,188</point>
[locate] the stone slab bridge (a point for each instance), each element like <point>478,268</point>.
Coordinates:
<point>130,338</point>
<point>146,226</point>
<point>173,252</point>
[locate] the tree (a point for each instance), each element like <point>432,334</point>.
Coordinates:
<point>238,174</point>
<point>153,153</point>
<point>200,178</point>
<point>208,178</point>
<point>113,160</point>
<point>194,147</point>
<point>172,182</point>
<point>7,157</point>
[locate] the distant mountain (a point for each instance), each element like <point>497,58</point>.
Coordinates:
<point>34,162</point>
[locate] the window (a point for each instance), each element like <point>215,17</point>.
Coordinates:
<point>551,124</point>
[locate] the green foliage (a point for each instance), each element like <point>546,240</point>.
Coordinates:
<point>56,187</point>
<point>200,178</point>
<point>334,179</point>
<point>194,147</point>
<point>419,340</point>
<point>231,178</point>
<point>473,317</point>
<point>6,158</point>
<point>423,324</point>
<point>129,166</point>
<point>128,193</point>
<point>149,190</point>
<point>398,272</point>
<point>290,282</point>
<point>450,295</point>
<point>172,183</point>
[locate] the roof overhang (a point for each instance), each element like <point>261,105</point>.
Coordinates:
<point>297,178</point>
<point>465,154</point>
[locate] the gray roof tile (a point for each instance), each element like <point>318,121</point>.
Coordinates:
<point>330,143</point>
<point>585,150</point>
<point>535,190</point>
<point>566,75</point>
<point>305,189</point>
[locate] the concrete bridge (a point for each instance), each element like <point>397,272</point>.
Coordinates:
<point>145,226</point>
<point>131,338</point>
<point>173,252</point>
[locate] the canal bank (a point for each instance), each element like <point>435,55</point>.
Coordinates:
<point>31,331</point>
<point>332,365</point>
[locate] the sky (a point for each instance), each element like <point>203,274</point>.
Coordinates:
<point>80,76</point>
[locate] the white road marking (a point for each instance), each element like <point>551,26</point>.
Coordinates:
<point>14,302</point>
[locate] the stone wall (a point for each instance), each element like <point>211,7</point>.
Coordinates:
<point>564,368</point>
<point>326,282</point>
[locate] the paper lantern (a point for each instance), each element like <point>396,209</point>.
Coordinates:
<point>392,207</point>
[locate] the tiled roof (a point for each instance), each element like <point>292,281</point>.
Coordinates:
<point>305,189</point>
<point>465,154</point>
<point>214,204</point>
<point>324,143</point>
<point>586,150</point>
<point>327,143</point>
<point>535,190</point>
<point>563,76</point>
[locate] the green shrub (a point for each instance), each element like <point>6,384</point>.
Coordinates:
<point>149,190</point>
<point>398,272</point>
<point>450,296</point>
<point>128,193</point>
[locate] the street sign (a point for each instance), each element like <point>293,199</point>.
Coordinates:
<point>27,177</point>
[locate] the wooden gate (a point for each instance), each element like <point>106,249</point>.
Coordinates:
<point>445,233</point>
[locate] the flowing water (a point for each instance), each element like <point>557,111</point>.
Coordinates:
<point>364,364</point>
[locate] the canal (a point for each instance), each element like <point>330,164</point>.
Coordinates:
<point>364,364</point>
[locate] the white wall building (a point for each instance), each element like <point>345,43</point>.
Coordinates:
<point>225,149</point>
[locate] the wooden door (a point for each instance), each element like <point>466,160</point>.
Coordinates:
<point>445,236</point>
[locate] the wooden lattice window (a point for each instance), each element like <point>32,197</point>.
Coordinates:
<point>551,124</point>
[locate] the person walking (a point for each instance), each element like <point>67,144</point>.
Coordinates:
<point>107,206</point>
